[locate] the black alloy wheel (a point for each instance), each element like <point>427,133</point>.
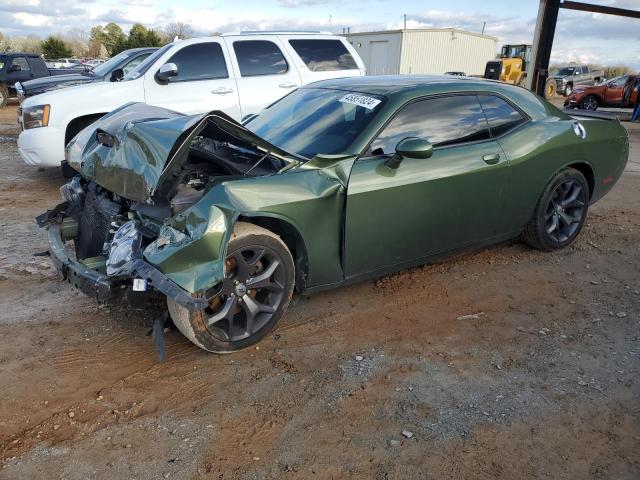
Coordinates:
<point>565,210</point>
<point>251,298</point>
<point>589,103</point>
<point>560,212</point>
<point>249,295</point>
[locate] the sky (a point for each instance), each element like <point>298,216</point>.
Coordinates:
<point>580,37</point>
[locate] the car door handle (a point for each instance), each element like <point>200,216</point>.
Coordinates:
<point>288,85</point>
<point>491,159</point>
<point>221,90</point>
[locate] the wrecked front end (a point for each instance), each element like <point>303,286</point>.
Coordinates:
<point>131,223</point>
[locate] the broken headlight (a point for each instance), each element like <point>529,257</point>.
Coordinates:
<point>73,190</point>
<point>34,117</point>
<point>125,248</point>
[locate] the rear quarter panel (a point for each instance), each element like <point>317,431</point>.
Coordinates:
<point>542,148</point>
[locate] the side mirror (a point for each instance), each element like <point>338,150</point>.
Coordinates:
<point>410,147</point>
<point>117,75</point>
<point>166,71</point>
<point>16,68</point>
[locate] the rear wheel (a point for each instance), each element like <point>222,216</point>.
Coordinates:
<point>4,96</point>
<point>254,295</point>
<point>590,102</point>
<point>560,212</point>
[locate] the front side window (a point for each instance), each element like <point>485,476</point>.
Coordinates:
<point>619,82</point>
<point>501,116</point>
<point>312,121</point>
<point>147,63</point>
<point>22,63</point>
<point>200,61</point>
<point>134,63</point>
<point>442,121</point>
<point>259,57</point>
<point>324,55</point>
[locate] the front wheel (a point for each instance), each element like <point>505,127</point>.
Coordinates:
<point>590,102</point>
<point>560,213</point>
<point>253,296</point>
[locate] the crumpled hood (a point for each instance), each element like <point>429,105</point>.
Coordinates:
<point>144,140</point>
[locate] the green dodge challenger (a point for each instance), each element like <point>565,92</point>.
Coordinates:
<point>339,181</point>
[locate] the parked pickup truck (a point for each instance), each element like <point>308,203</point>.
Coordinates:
<point>239,74</point>
<point>20,67</point>
<point>113,70</point>
<point>567,78</point>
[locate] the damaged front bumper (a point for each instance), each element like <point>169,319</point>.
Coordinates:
<point>101,286</point>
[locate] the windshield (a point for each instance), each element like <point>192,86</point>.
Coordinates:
<point>146,64</point>
<point>312,121</point>
<point>563,72</point>
<point>112,63</point>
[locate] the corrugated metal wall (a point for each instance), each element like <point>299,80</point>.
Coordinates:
<point>380,52</point>
<point>418,51</point>
<point>439,51</point>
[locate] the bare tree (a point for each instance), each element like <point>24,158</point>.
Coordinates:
<point>178,29</point>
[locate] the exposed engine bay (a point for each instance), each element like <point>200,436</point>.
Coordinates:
<point>212,156</point>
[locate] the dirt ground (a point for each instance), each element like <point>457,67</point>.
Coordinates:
<point>505,363</point>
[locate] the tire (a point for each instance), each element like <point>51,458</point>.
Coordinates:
<point>590,102</point>
<point>550,89</point>
<point>555,207</point>
<point>225,325</point>
<point>568,90</point>
<point>4,96</point>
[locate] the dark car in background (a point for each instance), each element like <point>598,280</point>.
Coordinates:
<point>20,67</point>
<point>110,71</point>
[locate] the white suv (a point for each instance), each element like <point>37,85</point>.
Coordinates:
<point>237,73</point>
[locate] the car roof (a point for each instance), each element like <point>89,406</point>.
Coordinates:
<point>402,88</point>
<point>419,84</point>
<point>19,54</point>
<point>140,49</point>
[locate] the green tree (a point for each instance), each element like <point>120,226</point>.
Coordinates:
<point>110,35</point>
<point>139,36</point>
<point>53,47</point>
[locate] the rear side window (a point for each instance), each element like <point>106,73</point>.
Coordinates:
<point>259,57</point>
<point>22,63</point>
<point>442,121</point>
<point>324,55</point>
<point>501,116</point>
<point>201,61</point>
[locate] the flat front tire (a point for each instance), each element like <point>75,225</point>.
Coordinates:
<point>254,295</point>
<point>560,212</point>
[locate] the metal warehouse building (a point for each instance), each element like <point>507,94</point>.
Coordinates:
<point>434,51</point>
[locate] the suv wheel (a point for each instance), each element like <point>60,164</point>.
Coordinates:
<point>254,295</point>
<point>590,102</point>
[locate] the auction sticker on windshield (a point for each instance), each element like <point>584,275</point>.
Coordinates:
<point>361,100</point>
